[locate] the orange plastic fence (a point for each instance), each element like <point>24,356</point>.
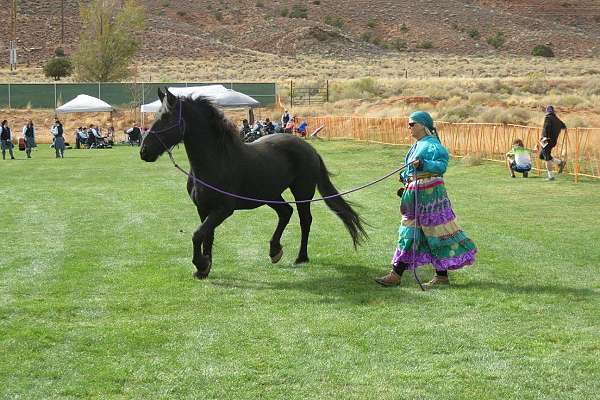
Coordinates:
<point>579,146</point>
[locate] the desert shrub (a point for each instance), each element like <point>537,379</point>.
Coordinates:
<point>284,12</point>
<point>316,2</point>
<point>395,87</point>
<point>497,40</point>
<point>323,36</point>
<point>218,15</point>
<point>535,84</point>
<point>575,121</point>
<point>479,98</point>
<point>59,52</point>
<point>592,88</point>
<point>260,4</point>
<point>372,23</point>
<point>453,101</point>
<point>403,28</point>
<point>500,87</point>
<point>474,33</point>
<point>398,44</point>
<point>366,36</point>
<point>542,50</point>
<point>337,22</point>
<point>463,113</point>
<point>515,115</point>
<point>570,100</point>
<point>425,45</point>
<point>355,89</point>
<point>181,13</point>
<point>298,11</point>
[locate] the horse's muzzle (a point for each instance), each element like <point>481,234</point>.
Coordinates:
<point>146,156</point>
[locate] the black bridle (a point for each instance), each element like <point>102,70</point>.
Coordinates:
<point>180,125</point>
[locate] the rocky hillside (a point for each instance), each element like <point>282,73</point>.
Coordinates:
<point>195,29</point>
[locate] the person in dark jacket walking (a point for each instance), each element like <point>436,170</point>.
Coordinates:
<point>552,127</point>
<point>29,136</point>
<point>6,140</point>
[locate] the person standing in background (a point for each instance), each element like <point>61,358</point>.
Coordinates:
<point>59,140</point>
<point>29,136</point>
<point>6,140</point>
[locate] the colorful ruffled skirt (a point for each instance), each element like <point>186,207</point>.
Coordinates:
<point>433,237</point>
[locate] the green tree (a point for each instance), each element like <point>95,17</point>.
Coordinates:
<point>109,40</point>
<point>58,67</point>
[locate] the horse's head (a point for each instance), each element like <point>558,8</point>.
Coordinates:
<point>167,129</point>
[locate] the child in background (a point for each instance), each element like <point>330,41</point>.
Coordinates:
<point>518,159</point>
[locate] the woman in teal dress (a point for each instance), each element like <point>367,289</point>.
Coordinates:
<point>428,233</point>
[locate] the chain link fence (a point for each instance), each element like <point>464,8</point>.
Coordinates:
<point>52,95</point>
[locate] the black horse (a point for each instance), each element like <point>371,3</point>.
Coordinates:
<point>260,170</point>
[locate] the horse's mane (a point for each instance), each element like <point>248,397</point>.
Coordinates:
<point>223,130</point>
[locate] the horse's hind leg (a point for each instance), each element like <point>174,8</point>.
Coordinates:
<point>305,220</point>
<point>284,212</point>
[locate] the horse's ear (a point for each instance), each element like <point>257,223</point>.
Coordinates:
<point>161,95</point>
<point>171,98</point>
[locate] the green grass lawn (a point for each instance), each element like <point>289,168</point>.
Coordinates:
<point>97,298</point>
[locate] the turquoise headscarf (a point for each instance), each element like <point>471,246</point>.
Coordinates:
<point>423,118</point>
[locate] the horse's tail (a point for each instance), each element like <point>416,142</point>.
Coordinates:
<point>352,221</point>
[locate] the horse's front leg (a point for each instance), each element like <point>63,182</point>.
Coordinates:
<point>284,212</point>
<point>204,235</point>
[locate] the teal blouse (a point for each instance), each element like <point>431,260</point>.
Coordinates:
<point>431,153</point>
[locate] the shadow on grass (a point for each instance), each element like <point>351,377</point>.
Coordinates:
<point>334,283</point>
<point>529,289</point>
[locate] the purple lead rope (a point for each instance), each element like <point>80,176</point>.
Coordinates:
<point>415,231</point>
<point>181,126</point>
<point>237,196</point>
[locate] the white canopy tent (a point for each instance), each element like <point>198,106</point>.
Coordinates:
<point>219,94</point>
<point>84,103</point>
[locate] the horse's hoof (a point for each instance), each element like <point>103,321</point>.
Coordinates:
<point>301,260</point>
<point>203,274</point>
<point>275,259</point>
<point>200,275</point>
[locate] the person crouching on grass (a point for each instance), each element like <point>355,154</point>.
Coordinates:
<point>518,159</point>
<point>439,240</point>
